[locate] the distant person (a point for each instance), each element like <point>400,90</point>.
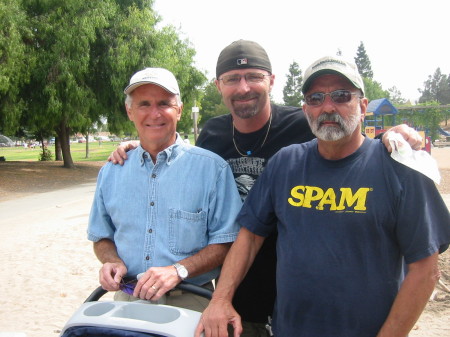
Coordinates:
<point>348,217</point>
<point>247,137</point>
<point>169,211</point>
<point>186,139</point>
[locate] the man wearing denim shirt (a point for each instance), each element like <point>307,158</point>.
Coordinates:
<point>169,212</point>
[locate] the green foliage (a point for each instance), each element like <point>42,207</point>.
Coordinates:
<point>67,62</point>
<point>373,89</point>
<point>45,155</point>
<point>363,63</point>
<point>436,88</point>
<point>212,104</point>
<point>395,96</point>
<point>292,91</point>
<point>15,63</point>
<point>427,118</point>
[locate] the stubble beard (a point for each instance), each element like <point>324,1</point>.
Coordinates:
<point>248,110</point>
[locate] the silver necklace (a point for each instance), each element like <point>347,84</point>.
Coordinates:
<point>249,152</point>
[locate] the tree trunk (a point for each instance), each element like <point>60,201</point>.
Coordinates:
<point>58,151</point>
<point>87,144</point>
<point>63,135</point>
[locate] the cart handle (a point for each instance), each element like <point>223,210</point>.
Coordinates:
<point>184,286</point>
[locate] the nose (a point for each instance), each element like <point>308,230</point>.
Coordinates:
<point>154,111</point>
<point>328,104</point>
<point>243,86</point>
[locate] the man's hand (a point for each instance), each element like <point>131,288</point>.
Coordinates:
<point>119,155</point>
<point>155,282</point>
<point>408,133</point>
<point>215,319</point>
<point>111,274</point>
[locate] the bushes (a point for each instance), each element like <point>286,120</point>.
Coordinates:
<point>45,155</point>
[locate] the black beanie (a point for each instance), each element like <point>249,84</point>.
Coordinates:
<point>242,54</point>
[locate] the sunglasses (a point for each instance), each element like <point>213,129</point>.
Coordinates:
<point>337,96</point>
<point>127,285</point>
<point>235,79</point>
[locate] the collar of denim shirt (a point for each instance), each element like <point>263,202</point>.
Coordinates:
<point>169,154</point>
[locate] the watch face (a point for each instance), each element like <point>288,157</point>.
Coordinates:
<point>182,271</point>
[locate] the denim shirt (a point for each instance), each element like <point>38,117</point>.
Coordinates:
<point>158,214</point>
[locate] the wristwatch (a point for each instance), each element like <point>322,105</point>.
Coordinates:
<point>181,271</point>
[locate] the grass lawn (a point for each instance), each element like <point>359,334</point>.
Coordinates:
<point>78,150</point>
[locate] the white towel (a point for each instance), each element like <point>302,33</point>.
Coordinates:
<point>420,161</point>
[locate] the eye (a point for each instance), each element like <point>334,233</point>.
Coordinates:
<point>232,79</point>
<point>254,77</point>
<point>315,98</point>
<point>341,96</point>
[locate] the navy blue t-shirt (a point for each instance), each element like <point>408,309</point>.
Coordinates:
<point>345,227</point>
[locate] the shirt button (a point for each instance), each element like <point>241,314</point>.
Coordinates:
<point>150,230</point>
<point>147,257</point>
<point>153,175</point>
<point>145,156</point>
<point>152,204</point>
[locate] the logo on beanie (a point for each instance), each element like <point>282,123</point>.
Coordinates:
<point>241,61</point>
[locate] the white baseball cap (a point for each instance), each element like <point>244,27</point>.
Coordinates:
<point>159,76</point>
<point>333,65</point>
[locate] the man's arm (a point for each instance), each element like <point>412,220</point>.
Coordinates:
<point>408,133</point>
<point>113,268</point>
<point>156,281</point>
<point>220,311</point>
<point>412,297</point>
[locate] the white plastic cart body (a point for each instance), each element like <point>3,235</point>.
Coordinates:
<point>138,316</point>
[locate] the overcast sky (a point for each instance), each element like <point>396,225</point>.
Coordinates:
<point>406,42</point>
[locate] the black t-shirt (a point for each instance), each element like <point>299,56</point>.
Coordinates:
<point>255,297</point>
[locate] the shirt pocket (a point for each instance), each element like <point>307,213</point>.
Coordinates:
<point>187,232</point>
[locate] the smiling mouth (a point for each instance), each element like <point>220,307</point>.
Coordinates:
<point>155,125</point>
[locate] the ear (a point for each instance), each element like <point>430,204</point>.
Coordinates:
<point>272,82</point>
<point>179,112</point>
<point>129,112</point>
<point>363,104</point>
<point>217,83</point>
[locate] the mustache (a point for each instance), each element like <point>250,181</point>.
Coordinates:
<point>330,117</point>
<point>244,97</point>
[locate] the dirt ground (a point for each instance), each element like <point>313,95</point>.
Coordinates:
<point>21,178</point>
<point>18,179</point>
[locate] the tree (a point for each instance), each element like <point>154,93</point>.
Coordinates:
<point>436,88</point>
<point>363,63</point>
<point>292,91</point>
<point>85,53</point>
<point>212,104</point>
<point>15,63</point>
<point>427,118</point>
<point>373,89</point>
<point>395,96</point>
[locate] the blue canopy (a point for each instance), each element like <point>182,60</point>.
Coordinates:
<point>381,106</point>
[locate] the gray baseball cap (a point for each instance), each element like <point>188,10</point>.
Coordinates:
<point>333,65</point>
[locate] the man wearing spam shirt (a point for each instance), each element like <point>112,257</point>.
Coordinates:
<point>169,211</point>
<point>348,218</point>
